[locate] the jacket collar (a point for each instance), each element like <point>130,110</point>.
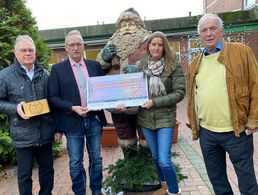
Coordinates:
<point>215,50</point>
<point>223,57</point>
<point>37,67</point>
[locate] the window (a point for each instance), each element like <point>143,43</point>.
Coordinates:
<point>194,48</point>
<point>54,58</point>
<point>236,38</point>
<point>176,46</point>
<point>92,54</point>
<point>248,3</point>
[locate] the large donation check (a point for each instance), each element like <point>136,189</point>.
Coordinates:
<point>109,91</point>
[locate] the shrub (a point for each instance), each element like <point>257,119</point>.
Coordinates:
<point>132,174</point>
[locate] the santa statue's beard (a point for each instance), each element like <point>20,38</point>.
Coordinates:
<point>128,42</point>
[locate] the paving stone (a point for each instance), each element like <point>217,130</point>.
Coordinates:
<point>190,159</point>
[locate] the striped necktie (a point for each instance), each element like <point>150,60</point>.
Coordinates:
<point>82,81</point>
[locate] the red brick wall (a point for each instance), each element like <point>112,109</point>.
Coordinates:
<point>221,6</point>
<point>61,54</point>
<point>184,54</point>
<point>251,39</point>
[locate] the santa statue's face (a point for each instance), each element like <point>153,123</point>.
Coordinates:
<point>127,27</point>
<point>128,37</point>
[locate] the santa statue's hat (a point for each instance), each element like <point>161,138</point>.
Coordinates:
<point>130,14</point>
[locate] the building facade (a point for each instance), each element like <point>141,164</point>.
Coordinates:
<point>240,26</point>
<point>221,6</point>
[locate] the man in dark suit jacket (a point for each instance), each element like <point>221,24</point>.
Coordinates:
<point>67,97</point>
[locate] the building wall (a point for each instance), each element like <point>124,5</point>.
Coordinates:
<point>188,46</point>
<point>221,6</point>
<point>241,26</point>
<point>251,39</point>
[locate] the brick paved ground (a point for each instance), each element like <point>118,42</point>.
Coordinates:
<point>190,160</point>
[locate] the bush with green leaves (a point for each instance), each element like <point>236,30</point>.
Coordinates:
<point>7,152</point>
<point>16,19</point>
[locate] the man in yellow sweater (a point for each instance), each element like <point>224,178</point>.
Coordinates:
<point>223,106</point>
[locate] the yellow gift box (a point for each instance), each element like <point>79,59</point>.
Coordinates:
<point>36,108</point>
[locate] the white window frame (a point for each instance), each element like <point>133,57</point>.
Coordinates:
<point>249,3</point>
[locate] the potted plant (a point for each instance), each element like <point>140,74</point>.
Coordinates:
<point>124,175</point>
<point>175,134</point>
<point>109,136</point>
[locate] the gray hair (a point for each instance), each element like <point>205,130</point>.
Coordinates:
<point>73,32</point>
<point>22,38</point>
<point>205,17</point>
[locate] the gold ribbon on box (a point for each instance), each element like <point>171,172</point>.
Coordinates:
<point>36,108</point>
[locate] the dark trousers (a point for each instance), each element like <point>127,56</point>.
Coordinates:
<point>44,158</point>
<point>125,125</point>
<point>240,149</point>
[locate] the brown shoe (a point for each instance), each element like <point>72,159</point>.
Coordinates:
<point>162,190</point>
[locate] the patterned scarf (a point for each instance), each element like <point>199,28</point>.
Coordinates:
<point>153,71</point>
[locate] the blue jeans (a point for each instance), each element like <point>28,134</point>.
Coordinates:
<point>214,147</point>
<point>160,142</point>
<point>44,158</point>
<point>91,130</point>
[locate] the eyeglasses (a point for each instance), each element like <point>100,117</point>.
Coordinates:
<point>30,50</point>
<point>75,44</point>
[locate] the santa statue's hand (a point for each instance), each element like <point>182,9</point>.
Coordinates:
<point>131,68</point>
<point>108,52</point>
